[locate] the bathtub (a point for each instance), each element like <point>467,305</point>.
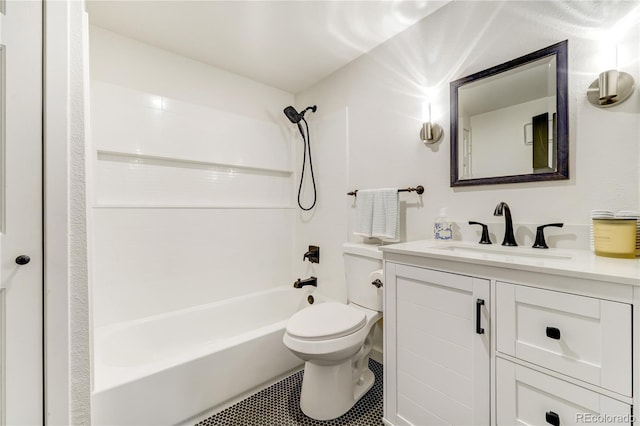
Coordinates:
<point>164,369</point>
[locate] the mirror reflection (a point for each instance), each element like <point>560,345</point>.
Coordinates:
<point>506,121</point>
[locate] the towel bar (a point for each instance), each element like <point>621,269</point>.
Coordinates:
<point>419,189</point>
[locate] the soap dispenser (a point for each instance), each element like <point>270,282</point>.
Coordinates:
<point>442,227</point>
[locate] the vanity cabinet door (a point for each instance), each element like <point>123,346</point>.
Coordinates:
<point>437,362</point>
<point>582,337</point>
<point>527,397</point>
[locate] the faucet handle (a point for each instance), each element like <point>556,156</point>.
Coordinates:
<point>485,232</point>
<point>540,242</point>
<point>313,254</point>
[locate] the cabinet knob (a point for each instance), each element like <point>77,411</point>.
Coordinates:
<point>553,333</point>
<point>23,259</point>
<point>552,418</point>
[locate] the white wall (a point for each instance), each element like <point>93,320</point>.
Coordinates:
<point>192,182</point>
<point>384,90</point>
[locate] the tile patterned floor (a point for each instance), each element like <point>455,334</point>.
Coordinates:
<point>279,405</point>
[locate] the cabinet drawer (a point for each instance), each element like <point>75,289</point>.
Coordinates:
<point>527,397</point>
<point>583,337</point>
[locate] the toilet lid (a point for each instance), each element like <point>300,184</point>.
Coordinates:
<point>326,321</point>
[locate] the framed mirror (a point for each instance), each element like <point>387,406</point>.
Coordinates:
<point>510,123</point>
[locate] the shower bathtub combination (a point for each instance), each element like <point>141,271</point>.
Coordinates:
<point>167,368</point>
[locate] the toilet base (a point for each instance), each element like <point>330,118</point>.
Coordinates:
<point>329,391</point>
<point>363,385</point>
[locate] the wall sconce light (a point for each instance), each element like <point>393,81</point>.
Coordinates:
<point>610,89</point>
<point>430,133</point>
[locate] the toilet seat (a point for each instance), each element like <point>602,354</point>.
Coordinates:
<point>323,321</point>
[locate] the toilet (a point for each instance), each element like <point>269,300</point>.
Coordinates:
<point>335,339</point>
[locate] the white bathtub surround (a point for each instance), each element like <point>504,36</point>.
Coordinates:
<point>191,181</point>
<point>154,261</point>
<point>166,368</point>
<point>153,150</point>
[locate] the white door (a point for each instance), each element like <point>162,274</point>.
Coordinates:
<point>21,298</point>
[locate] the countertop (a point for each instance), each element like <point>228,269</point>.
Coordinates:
<point>565,262</point>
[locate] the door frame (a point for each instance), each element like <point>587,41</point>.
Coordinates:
<point>66,321</point>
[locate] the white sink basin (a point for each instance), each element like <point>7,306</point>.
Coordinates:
<point>503,253</point>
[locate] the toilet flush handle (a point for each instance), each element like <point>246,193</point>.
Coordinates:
<point>377,283</point>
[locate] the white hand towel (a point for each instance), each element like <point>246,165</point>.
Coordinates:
<point>386,215</point>
<point>364,212</point>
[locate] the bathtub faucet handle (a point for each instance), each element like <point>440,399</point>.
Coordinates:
<point>313,255</point>
<point>309,281</point>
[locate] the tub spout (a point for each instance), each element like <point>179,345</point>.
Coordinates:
<point>309,281</point>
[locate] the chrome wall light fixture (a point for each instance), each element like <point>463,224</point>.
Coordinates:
<point>611,88</point>
<point>430,133</point>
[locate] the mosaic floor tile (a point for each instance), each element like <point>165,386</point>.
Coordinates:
<point>279,405</point>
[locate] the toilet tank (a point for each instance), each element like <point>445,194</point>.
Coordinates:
<point>360,260</point>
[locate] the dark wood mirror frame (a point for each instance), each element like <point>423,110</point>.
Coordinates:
<point>562,123</point>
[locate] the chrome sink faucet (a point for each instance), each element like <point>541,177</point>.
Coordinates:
<point>503,209</point>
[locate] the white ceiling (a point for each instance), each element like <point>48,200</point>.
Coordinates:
<point>290,45</point>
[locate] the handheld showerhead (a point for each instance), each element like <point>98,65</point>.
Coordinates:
<point>295,116</point>
<point>292,114</point>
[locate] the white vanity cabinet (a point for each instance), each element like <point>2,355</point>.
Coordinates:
<point>556,347</point>
<point>437,332</point>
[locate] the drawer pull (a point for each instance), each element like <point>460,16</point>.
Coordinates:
<point>552,418</point>
<point>479,304</point>
<point>553,333</point>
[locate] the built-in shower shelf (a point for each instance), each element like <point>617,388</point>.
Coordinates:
<point>153,160</point>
